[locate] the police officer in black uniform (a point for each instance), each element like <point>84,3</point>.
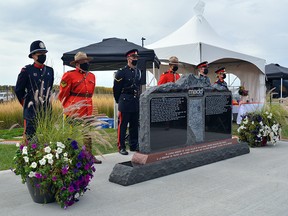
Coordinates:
<point>221,75</point>
<point>203,72</point>
<point>33,87</point>
<point>126,90</point>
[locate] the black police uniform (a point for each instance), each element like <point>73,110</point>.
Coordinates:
<point>29,80</point>
<point>126,90</point>
<point>223,83</point>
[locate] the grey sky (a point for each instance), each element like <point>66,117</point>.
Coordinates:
<point>254,27</point>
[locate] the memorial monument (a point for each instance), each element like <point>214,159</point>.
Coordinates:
<point>183,125</point>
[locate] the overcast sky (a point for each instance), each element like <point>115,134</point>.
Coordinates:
<point>254,27</point>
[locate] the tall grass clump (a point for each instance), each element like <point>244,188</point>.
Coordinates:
<point>11,113</point>
<point>104,104</point>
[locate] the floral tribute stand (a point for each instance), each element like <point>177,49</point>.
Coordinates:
<point>259,128</point>
<point>183,125</point>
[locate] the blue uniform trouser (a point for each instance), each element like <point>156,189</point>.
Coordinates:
<point>29,128</point>
<point>123,119</point>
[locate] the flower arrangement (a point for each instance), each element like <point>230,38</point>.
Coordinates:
<point>242,91</point>
<point>64,168</point>
<point>57,156</point>
<point>258,128</point>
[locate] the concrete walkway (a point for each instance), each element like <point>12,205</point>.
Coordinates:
<point>255,184</point>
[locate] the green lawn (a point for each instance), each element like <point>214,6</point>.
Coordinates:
<point>11,134</point>
<point>7,153</point>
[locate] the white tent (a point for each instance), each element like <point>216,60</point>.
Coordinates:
<point>196,41</point>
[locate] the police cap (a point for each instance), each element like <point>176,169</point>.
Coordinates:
<point>202,64</point>
<point>220,70</point>
<point>37,46</point>
<point>133,53</point>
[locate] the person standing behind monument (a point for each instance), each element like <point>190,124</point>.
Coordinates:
<point>76,91</point>
<point>36,78</point>
<point>126,91</point>
<point>203,72</point>
<point>221,75</point>
<point>170,75</point>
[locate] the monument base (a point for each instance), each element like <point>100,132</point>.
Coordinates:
<point>129,173</point>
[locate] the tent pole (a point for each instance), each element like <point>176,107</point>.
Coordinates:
<point>200,50</point>
<point>154,70</point>
<point>281,88</point>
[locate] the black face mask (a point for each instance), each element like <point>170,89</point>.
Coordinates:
<point>206,71</point>
<point>224,76</point>
<point>41,58</point>
<point>175,68</point>
<point>84,66</point>
<point>134,62</point>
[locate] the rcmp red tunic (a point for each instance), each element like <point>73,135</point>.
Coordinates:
<point>168,76</point>
<point>77,87</point>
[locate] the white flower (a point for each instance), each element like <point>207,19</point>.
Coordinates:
<point>59,150</point>
<point>65,154</point>
<point>57,155</point>
<point>17,144</point>
<point>33,165</point>
<point>24,150</point>
<point>31,174</point>
<point>275,127</point>
<point>50,161</point>
<point>61,145</point>
<point>65,159</point>
<point>252,122</point>
<point>47,149</point>
<point>26,159</point>
<point>42,161</point>
<point>48,156</point>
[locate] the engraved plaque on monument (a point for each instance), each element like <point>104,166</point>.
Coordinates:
<point>218,117</point>
<point>168,122</point>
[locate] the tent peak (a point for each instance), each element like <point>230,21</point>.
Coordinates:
<point>199,8</point>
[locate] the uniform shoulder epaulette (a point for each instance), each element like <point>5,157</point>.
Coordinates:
<point>25,67</point>
<point>70,71</point>
<point>165,72</point>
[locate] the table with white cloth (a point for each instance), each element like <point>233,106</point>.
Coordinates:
<point>248,107</point>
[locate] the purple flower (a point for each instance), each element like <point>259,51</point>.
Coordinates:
<point>74,144</point>
<point>78,165</point>
<point>81,155</point>
<point>64,170</point>
<point>54,178</point>
<point>21,147</point>
<point>38,175</point>
<point>86,167</point>
<point>38,185</point>
<point>34,146</point>
<point>71,189</point>
<point>93,168</point>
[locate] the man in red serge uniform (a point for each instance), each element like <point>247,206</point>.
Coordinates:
<point>76,91</point>
<point>170,75</point>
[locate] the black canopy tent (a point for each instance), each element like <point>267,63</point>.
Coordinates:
<point>110,55</point>
<point>276,72</point>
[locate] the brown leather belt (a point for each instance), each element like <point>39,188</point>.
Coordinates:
<point>86,95</point>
